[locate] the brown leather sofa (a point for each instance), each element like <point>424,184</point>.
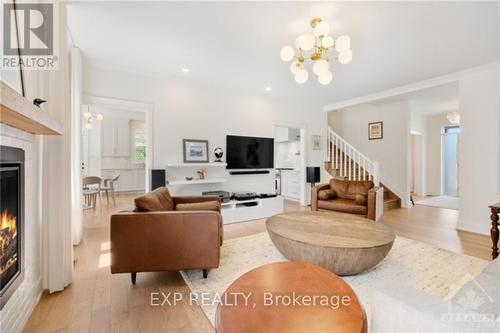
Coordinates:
<point>354,197</point>
<point>165,233</point>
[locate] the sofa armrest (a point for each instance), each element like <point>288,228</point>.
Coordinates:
<point>375,203</point>
<point>314,194</point>
<point>166,240</point>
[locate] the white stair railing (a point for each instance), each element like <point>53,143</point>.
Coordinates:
<point>350,162</point>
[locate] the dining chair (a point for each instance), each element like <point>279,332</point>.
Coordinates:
<point>109,186</point>
<point>92,189</point>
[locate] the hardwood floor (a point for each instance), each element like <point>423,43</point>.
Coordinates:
<point>97,301</point>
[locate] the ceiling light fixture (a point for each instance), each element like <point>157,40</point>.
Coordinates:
<point>319,43</point>
<point>453,117</point>
<point>268,89</point>
<point>90,117</point>
<point>185,70</point>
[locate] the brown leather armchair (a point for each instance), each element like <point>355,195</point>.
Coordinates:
<point>349,196</point>
<point>166,233</point>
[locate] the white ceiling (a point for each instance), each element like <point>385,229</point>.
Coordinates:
<point>237,44</point>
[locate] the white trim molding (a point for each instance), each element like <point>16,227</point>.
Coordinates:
<point>437,81</point>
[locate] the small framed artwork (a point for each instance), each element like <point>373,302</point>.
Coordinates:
<point>376,131</point>
<point>195,151</point>
<point>316,142</point>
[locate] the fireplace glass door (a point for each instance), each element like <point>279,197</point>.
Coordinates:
<point>10,243</point>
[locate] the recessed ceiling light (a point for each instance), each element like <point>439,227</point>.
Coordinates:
<point>268,89</point>
<point>185,70</point>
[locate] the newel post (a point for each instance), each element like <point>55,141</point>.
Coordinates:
<point>376,173</point>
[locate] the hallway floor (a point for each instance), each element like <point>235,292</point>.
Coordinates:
<point>442,201</point>
<point>98,301</point>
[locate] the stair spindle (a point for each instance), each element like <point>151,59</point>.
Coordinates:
<point>349,161</point>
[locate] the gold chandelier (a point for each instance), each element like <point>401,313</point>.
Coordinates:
<point>319,43</point>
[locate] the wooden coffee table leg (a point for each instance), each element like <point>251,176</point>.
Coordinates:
<point>494,232</point>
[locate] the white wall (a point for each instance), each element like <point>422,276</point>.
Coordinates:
<point>185,108</point>
<point>478,149</point>
<point>418,164</point>
<point>392,151</point>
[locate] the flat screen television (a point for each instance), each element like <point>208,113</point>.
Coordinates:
<point>244,152</point>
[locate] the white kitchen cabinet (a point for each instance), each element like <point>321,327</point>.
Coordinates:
<point>140,179</point>
<point>285,134</point>
<point>108,140</point>
<point>281,134</point>
<point>115,138</point>
<point>290,184</point>
<point>131,180</point>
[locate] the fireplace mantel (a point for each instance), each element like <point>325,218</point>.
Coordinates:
<point>17,111</point>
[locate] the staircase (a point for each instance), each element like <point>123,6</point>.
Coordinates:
<point>346,162</point>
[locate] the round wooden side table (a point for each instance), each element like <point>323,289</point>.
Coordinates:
<point>290,297</point>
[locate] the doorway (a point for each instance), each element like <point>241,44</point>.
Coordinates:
<point>450,140</point>
<point>118,143</point>
<point>289,163</point>
<point>417,165</point>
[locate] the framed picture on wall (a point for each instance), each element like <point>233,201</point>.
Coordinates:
<point>195,151</point>
<point>376,130</point>
<point>316,142</point>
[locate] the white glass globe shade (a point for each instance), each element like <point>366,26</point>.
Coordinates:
<point>327,41</point>
<point>301,76</point>
<point>453,117</point>
<point>88,126</point>
<point>325,78</point>
<point>100,117</point>
<point>87,115</point>
<point>345,57</point>
<point>306,41</point>
<point>287,53</point>
<point>322,29</point>
<point>294,66</point>
<point>298,42</point>
<point>343,43</point>
<point>320,66</point>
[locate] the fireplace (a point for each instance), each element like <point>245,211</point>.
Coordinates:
<point>11,221</point>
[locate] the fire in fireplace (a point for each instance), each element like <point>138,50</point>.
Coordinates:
<point>11,221</point>
<point>8,247</point>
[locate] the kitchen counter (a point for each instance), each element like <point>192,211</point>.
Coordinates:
<point>132,168</point>
<point>131,179</point>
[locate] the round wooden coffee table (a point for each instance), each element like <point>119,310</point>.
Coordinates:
<point>262,301</point>
<point>346,244</point>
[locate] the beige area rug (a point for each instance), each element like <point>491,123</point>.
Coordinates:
<point>431,269</point>
<point>442,201</point>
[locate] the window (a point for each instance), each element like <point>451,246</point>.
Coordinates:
<point>451,129</point>
<point>140,147</point>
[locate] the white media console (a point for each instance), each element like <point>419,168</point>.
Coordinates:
<point>237,211</point>
<point>218,178</point>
